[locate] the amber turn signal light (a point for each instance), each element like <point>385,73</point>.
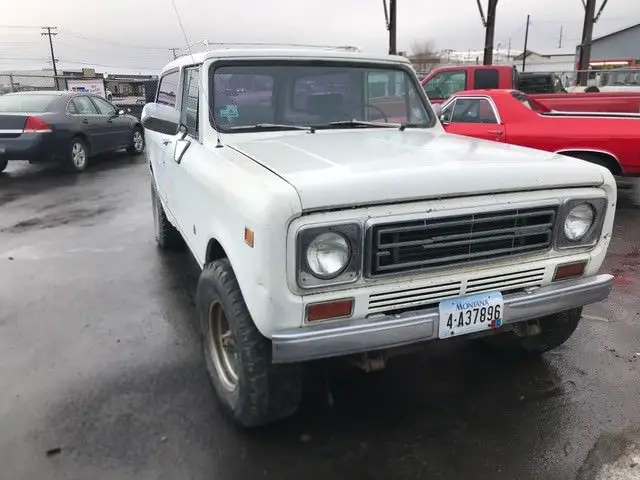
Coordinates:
<point>327,310</point>
<point>569,270</point>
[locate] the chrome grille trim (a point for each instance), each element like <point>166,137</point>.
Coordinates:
<point>415,245</point>
<point>408,298</point>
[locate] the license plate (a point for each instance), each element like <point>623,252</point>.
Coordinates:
<point>470,314</point>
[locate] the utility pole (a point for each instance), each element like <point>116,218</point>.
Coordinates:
<point>174,50</point>
<point>526,40</point>
<point>560,41</point>
<point>392,26</point>
<point>590,17</point>
<point>489,22</point>
<point>509,51</point>
<point>51,34</point>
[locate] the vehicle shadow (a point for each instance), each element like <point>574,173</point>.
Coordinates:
<point>443,413</point>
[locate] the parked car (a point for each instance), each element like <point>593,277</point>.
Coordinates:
<point>63,127</point>
<point>610,140</point>
<point>442,82</point>
<point>325,230</point>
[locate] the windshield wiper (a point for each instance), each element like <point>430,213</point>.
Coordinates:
<point>273,125</point>
<point>362,123</point>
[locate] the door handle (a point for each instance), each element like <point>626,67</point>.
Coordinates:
<point>495,132</point>
<point>166,142</point>
<point>85,121</point>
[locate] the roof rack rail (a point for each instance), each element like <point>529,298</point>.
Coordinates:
<point>206,43</point>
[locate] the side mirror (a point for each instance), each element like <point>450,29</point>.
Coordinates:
<point>120,112</point>
<point>160,118</point>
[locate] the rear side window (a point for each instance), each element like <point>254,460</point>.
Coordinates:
<point>84,106</point>
<point>168,88</point>
<point>486,79</point>
<point>26,103</point>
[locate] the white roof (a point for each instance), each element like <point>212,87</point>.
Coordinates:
<point>281,53</point>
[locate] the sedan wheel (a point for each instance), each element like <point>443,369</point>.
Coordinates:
<point>77,161</point>
<point>137,142</point>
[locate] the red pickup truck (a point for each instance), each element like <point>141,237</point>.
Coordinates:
<point>443,82</point>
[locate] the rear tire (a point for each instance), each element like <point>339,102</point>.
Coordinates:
<point>167,236</point>
<point>77,156</point>
<point>137,142</point>
<point>251,390</point>
<point>3,165</point>
<point>555,330</point>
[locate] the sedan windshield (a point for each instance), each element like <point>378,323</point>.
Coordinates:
<point>291,95</point>
<point>28,103</point>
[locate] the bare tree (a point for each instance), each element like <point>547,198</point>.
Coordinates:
<point>423,48</point>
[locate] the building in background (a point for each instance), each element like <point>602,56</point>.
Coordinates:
<point>615,50</point>
<point>539,62</point>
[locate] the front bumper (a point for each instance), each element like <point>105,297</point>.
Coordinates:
<point>366,334</point>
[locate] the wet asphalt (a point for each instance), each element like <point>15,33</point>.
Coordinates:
<point>101,375</point>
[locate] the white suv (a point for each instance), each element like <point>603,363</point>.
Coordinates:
<point>333,216</point>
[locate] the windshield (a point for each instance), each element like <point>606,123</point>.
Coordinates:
<point>26,103</point>
<point>294,94</point>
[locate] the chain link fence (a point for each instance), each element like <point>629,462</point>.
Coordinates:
<point>128,92</point>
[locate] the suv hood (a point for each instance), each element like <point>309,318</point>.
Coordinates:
<point>333,169</point>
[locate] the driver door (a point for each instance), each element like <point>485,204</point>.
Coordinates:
<point>473,117</point>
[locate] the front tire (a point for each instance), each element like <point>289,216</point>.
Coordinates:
<point>554,331</point>
<point>167,236</point>
<point>77,156</point>
<point>137,142</point>
<point>251,389</point>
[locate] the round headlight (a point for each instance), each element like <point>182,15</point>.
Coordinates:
<point>578,222</point>
<point>328,255</point>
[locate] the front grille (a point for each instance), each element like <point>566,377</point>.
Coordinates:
<point>439,242</point>
<point>431,295</point>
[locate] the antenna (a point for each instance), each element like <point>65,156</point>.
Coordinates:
<point>219,143</point>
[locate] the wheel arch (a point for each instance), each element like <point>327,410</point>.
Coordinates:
<point>215,251</point>
<point>82,136</point>
<point>607,159</point>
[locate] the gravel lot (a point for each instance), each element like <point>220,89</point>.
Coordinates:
<point>101,374</point>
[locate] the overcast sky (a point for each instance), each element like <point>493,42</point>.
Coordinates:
<point>135,35</point>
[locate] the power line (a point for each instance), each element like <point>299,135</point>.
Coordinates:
<point>112,42</point>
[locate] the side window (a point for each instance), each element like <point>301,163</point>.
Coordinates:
<point>190,96</point>
<point>84,106</point>
<point>486,78</point>
<point>445,84</point>
<point>473,110</point>
<point>447,112</point>
<point>168,88</point>
<point>104,107</point>
<point>71,108</point>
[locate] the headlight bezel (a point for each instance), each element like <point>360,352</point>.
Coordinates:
<point>352,232</point>
<point>591,238</point>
